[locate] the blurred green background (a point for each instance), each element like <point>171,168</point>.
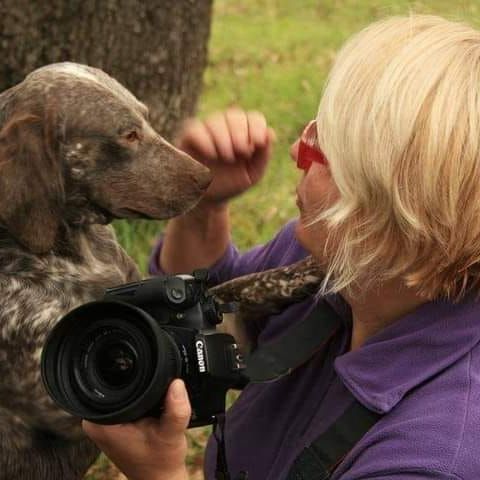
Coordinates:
<point>273,56</point>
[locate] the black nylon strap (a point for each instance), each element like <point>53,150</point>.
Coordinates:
<point>319,460</point>
<point>279,357</point>
<point>221,472</point>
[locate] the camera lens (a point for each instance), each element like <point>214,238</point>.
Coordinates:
<point>116,363</point>
<point>109,362</point>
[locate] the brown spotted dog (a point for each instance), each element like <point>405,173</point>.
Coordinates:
<point>76,151</point>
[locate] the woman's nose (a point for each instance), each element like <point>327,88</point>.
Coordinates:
<point>294,150</point>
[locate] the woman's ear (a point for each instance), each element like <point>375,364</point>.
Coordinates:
<point>31,182</point>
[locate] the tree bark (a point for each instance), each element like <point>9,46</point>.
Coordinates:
<point>156,48</point>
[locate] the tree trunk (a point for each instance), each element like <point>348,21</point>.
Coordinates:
<point>156,48</point>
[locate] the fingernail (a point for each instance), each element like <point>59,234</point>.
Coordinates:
<point>178,390</point>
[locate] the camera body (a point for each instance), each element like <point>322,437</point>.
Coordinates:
<point>111,361</point>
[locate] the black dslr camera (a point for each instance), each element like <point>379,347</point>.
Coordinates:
<point>111,361</point>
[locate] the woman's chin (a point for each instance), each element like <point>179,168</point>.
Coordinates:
<point>312,240</point>
<point>302,235</point>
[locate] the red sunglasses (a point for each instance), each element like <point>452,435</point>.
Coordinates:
<point>309,150</point>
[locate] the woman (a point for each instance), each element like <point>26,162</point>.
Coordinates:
<point>389,206</point>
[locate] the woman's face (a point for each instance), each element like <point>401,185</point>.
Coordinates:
<point>316,191</point>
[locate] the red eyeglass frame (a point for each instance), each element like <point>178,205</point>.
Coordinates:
<point>309,150</point>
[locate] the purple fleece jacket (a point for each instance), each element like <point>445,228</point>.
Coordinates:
<point>422,373</point>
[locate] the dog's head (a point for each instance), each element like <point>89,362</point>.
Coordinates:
<point>77,147</point>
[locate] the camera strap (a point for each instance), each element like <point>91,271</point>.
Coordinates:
<point>296,346</point>
<point>278,358</point>
<point>319,460</point>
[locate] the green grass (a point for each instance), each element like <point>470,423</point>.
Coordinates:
<point>273,56</point>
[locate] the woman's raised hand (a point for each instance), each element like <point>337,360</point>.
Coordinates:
<point>235,145</point>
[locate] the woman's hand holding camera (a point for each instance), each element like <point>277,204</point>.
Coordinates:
<point>151,448</point>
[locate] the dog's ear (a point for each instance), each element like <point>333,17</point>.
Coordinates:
<point>31,182</point>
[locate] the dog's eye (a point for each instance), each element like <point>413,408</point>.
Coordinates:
<point>132,136</point>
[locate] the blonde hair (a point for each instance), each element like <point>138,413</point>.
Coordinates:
<point>399,122</point>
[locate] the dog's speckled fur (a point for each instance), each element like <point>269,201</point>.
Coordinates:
<point>68,165</point>
<point>266,293</point>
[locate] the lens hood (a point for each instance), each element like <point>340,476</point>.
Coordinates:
<point>73,357</point>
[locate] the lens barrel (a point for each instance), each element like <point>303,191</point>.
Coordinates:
<point>109,362</point>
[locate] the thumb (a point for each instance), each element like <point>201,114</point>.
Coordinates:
<point>177,413</point>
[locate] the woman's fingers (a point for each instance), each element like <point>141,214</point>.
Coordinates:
<point>225,136</point>
<point>237,121</point>
<point>172,423</point>
<point>257,124</point>
<point>219,131</point>
<point>196,140</point>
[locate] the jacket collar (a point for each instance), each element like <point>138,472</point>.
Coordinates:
<point>409,352</point>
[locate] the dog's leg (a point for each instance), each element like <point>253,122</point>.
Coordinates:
<point>266,293</point>
<point>39,455</point>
